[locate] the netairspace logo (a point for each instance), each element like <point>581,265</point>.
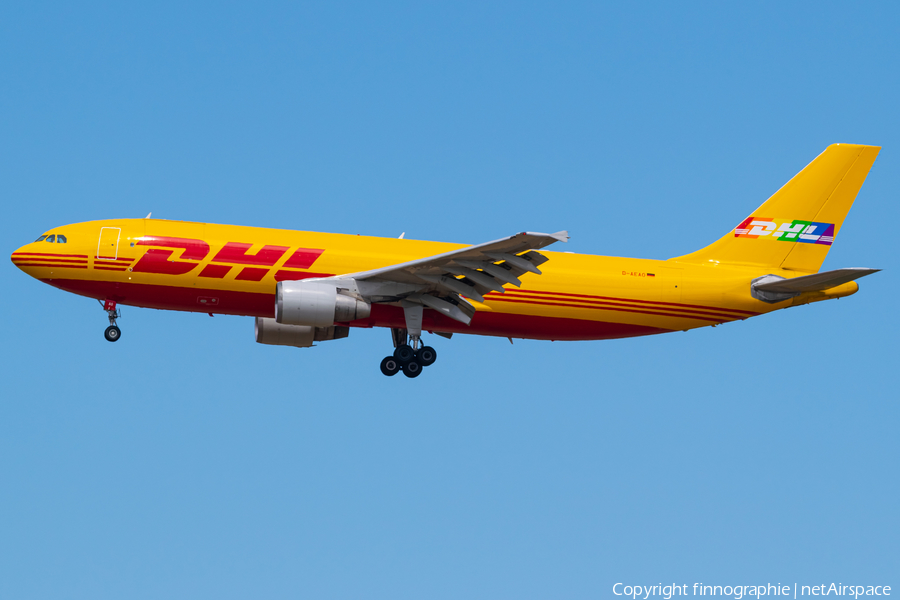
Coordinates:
<point>666,592</point>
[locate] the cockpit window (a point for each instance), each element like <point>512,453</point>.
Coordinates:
<point>40,239</point>
<point>51,238</point>
<point>60,239</point>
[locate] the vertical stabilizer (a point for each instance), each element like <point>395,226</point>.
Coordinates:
<point>794,229</point>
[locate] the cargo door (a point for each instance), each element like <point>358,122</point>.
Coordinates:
<point>108,246</point>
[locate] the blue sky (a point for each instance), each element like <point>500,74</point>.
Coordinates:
<point>186,461</point>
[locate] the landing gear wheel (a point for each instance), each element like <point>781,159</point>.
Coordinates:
<point>112,333</point>
<point>390,366</point>
<point>404,353</point>
<point>412,369</point>
<point>426,356</point>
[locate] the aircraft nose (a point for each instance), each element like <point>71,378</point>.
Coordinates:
<point>19,255</point>
<point>28,258</point>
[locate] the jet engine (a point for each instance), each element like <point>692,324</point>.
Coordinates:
<point>268,331</point>
<point>316,304</point>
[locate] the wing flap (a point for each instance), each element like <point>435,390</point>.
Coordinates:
<point>443,282</point>
<point>514,244</point>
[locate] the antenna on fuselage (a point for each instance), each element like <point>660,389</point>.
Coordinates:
<point>401,235</point>
<point>148,215</point>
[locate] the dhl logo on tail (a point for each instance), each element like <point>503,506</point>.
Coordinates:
<point>786,230</point>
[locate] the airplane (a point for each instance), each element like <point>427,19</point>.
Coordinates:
<point>306,287</point>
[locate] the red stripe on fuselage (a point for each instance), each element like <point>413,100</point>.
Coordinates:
<point>618,308</point>
<point>511,325</point>
<point>15,254</point>
<point>159,261</point>
<point>251,274</point>
<point>303,258</point>
<point>165,297</point>
<point>600,305</point>
<point>215,271</point>
<point>263,305</point>
<point>55,261</point>
<point>661,304</point>
<point>50,265</point>
<point>235,252</point>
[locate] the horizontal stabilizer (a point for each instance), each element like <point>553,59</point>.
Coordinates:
<point>813,283</point>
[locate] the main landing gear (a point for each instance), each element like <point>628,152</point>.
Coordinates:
<point>112,333</point>
<point>410,358</point>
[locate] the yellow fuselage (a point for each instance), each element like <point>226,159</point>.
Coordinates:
<point>226,269</point>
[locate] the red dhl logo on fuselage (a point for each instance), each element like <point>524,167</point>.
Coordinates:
<point>159,259</point>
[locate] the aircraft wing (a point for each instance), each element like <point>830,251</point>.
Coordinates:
<point>443,282</point>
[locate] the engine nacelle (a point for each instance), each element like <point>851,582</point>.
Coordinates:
<point>316,304</point>
<point>268,331</point>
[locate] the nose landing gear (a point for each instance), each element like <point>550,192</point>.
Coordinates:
<point>112,333</point>
<point>409,357</point>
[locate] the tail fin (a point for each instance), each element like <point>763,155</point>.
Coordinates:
<point>796,226</point>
